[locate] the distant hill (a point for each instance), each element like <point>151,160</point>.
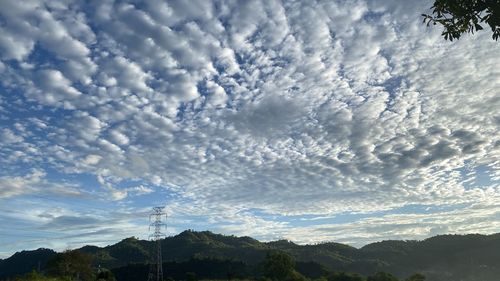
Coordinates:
<point>447,257</point>
<point>25,261</point>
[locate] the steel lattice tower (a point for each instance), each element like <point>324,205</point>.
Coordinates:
<point>155,219</point>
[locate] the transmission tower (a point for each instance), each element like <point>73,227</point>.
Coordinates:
<point>155,219</point>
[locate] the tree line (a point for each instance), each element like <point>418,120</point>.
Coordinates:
<point>276,266</point>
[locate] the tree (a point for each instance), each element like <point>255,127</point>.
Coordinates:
<point>280,266</point>
<point>465,16</point>
<point>105,275</point>
<point>342,276</point>
<point>34,276</point>
<point>382,276</point>
<point>191,276</point>
<point>72,265</point>
<point>416,277</point>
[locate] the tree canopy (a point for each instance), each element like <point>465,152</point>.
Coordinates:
<point>382,276</point>
<point>343,276</point>
<point>72,264</point>
<point>465,16</point>
<point>416,277</point>
<point>280,266</point>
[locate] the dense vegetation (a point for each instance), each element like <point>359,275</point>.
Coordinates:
<point>204,255</point>
<point>465,16</point>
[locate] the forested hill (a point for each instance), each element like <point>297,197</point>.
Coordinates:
<point>446,257</point>
<point>25,261</point>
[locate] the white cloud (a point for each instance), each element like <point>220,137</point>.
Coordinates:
<point>471,219</point>
<point>14,48</point>
<point>35,183</point>
<point>289,107</point>
<point>12,186</point>
<point>7,136</point>
<point>54,81</point>
<point>217,95</point>
<point>119,137</point>
<point>140,190</point>
<point>92,159</point>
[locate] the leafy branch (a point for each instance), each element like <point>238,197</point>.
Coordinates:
<point>464,16</point>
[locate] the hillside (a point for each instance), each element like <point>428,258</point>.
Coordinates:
<point>25,261</point>
<point>441,258</point>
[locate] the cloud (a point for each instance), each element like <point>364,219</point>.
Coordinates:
<point>8,136</point>
<point>92,159</point>
<point>140,190</point>
<point>292,108</point>
<point>68,222</point>
<point>56,89</point>
<point>35,183</point>
<point>12,186</point>
<point>471,219</point>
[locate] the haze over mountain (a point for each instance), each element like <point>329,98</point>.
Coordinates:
<point>441,258</point>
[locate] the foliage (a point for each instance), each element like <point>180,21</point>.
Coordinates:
<point>214,256</point>
<point>382,276</point>
<point>191,276</point>
<point>416,277</point>
<point>202,268</point>
<point>24,262</point>
<point>280,266</point>
<point>36,276</point>
<point>311,269</point>
<point>131,248</point>
<point>105,275</point>
<point>343,276</point>
<point>71,264</point>
<point>465,16</point>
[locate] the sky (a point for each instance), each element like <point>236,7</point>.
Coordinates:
<point>312,121</point>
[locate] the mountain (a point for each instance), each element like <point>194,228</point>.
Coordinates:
<point>444,257</point>
<point>471,257</point>
<point>25,261</point>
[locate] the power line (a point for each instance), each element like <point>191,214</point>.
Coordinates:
<point>157,215</point>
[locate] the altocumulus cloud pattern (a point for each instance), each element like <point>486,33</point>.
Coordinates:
<point>308,120</point>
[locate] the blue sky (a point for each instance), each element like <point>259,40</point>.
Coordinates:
<point>346,121</point>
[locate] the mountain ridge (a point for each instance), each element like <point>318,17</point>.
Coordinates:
<point>443,255</point>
